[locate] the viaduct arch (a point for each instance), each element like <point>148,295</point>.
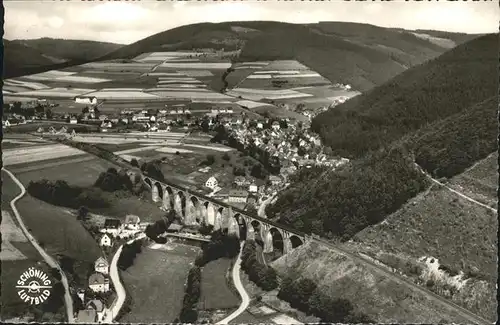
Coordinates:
<point>197,209</point>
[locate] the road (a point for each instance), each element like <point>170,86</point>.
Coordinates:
<point>466,314</point>
<point>68,301</point>
<point>111,313</point>
<point>245,299</point>
<point>468,198</point>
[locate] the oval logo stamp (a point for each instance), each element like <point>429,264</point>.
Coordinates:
<point>34,286</point>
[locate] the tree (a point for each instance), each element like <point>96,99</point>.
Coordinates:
<point>85,110</point>
<point>49,113</point>
<point>226,157</point>
<point>134,162</point>
<point>82,213</point>
<point>210,159</point>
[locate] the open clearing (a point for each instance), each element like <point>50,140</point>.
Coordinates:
<point>443,226</point>
<point>156,283</point>
<point>480,181</point>
<point>196,66</point>
<point>372,293</point>
<point>56,92</point>
<point>215,293</point>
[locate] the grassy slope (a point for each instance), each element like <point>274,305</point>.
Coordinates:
<point>70,49</point>
<point>455,81</point>
<point>330,49</point>
<point>460,234</point>
<point>156,284</point>
<point>215,292</point>
<point>377,296</point>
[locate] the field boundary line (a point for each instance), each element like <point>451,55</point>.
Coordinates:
<point>68,301</point>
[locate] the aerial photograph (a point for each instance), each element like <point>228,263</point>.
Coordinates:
<point>248,162</point>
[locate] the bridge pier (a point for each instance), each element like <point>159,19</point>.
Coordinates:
<point>193,209</point>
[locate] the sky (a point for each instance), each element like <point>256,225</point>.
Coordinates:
<point>126,22</point>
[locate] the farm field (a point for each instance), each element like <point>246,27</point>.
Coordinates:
<point>77,173</point>
<point>215,292</point>
<point>156,283</point>
<point>25,155</point>
<point>57,230</point>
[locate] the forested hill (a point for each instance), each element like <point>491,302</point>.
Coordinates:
<point>68,50</point>
<point>444,127</point>
<point>358,54</point>
<point>456,80</point>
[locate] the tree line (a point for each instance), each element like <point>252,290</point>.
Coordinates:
<point>259,273</point>
<point>192,294</point>
<point>220,245</point>
<point>304,295</point>
<point>62,194</point>
<point>128,254</point>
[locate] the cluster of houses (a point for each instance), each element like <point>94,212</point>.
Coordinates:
<point>114,229</point>
<point>98,283</point>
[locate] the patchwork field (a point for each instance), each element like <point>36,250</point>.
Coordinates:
<point>156,283</point>
<point>11,234</point>
<point>152,78</point>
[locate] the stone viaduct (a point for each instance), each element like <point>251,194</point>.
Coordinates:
<point>196,209</point>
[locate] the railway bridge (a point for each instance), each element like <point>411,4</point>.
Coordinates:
<point>196,209</point>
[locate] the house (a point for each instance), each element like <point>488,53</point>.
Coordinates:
<point>105,240</point>
<point>73,120</point>
<point>238,196</point>
<point>260,125</point>
<point>87,316</point>
<point>132,222</point>
<point>240,180</point>
<point>101,265</point>
<point>98,282</point>
<point>81,294</point>
<point>86,100</point>
<point>275,180</point>
<point>112,226</point>
<point>253,188</point>
<point>98,306</point>
<point>103,117</point>
<point>212,183</point>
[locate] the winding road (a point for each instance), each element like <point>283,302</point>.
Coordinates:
<point>245,299</point>
<point>111,313</point>
<point>68,301</point>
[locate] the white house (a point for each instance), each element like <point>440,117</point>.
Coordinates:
<point>276,125</point>
<point>212,183</point>
<point>86,100</point>
<point>260,125</point>
<point>253,188</point>
<point>101,265</point>
<point>105,240</point>
<point>98,283</point>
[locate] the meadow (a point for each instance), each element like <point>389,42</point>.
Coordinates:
<point>156,283</point>
<point>215,292</point>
